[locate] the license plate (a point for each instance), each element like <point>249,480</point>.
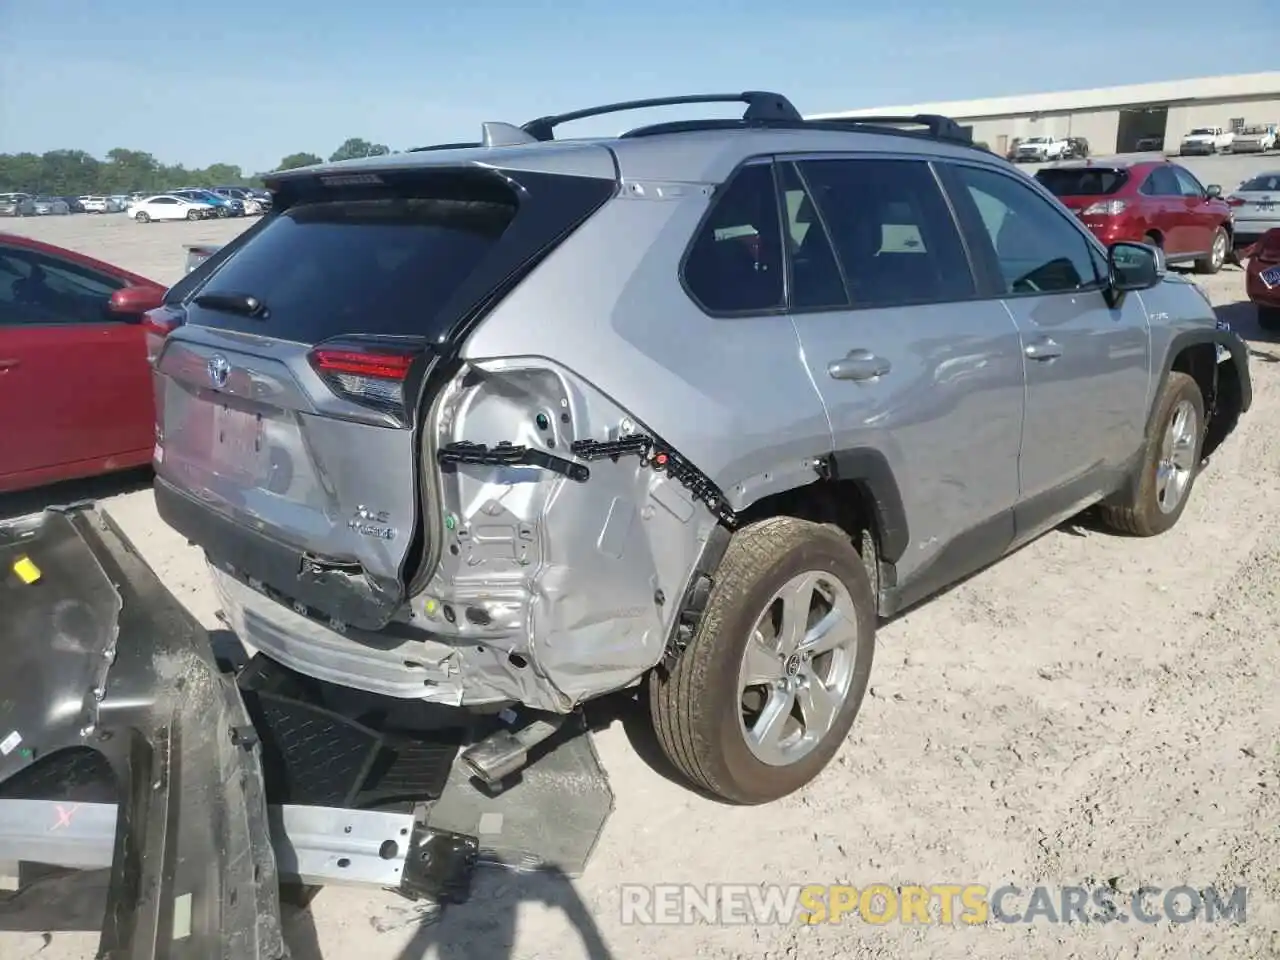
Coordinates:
<point>1271,277</point>
<point>236,442</point>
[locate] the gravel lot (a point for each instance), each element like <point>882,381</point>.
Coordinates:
<point>1096,709</point>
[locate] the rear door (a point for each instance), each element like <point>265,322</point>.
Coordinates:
<point>1167,211</point>
<point>74,382</point>
<point>290,398</point>
<point>1087,364</point>
<point>910,361</point>
<point>1203,214</point>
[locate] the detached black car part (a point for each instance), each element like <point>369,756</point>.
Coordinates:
<point>124,743</point>
<point>100,657</point>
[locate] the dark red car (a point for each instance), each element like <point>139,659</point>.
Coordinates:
<point>1262,278</point>
<point>75,384</point>
<point>1150,201</point>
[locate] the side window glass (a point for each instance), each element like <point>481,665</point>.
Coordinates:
<point>1036,248</point>
<point>894,235</point>
<point>815,275</point>
<point>39,289</point>
<point>735,262</point>
<point>1163,183</point>
<point>1188,184</point>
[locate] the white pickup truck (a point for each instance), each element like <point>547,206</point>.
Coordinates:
<point>1042,148</point>
<point>1202,140</point>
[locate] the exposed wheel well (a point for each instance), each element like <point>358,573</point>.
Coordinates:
<point>1157,236</point>
<point>1219,385</point>
<point>846,503</point>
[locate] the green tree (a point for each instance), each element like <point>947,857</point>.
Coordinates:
<point>357,147</point>
<point>295,160</point>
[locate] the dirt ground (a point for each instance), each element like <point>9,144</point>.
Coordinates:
<point>1095,709</point>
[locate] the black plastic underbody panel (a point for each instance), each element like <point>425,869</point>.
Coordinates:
<point>87,622</point>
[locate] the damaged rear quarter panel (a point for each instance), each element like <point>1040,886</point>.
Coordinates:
<point>604,331</point>
<point>574,583</point>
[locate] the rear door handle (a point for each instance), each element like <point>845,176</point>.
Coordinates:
<point>858,365</point>
<point>8,363</point>
<point>1045,349</point>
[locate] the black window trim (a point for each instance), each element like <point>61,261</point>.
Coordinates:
<point>71,266</point>
<point>992,278</point>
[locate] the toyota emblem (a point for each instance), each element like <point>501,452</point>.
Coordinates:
<point>219,369</point>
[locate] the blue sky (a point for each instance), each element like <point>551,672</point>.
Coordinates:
<point>249,82</point>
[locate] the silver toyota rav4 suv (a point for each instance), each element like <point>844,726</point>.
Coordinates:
<point>519,423</point>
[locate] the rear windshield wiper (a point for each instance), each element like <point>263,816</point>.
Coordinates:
<point>242,303</point>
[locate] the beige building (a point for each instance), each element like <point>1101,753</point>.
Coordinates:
<point>1112,119</point>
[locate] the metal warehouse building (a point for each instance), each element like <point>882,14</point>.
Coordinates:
<point>1112,119</point>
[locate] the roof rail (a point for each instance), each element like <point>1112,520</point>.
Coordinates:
<point>444,146</point>
<point>762,106</point>
<point>935,127</point>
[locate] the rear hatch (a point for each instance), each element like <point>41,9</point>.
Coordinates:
<point>290,400</point>
<point>1257,199</point>
<point>1088,191</point>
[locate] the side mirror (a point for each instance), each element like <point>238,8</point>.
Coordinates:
<point>1133,266</point>
<point>1213,191</point>
<point>133,302</point>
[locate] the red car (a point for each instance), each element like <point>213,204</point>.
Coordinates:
<point>75,384</point>
<point>1150,201</point>
<point>1262,278</point>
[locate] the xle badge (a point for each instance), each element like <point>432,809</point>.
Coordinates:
<point>372,523</point>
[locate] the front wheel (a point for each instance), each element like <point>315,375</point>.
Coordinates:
<point>141,217</point>
<point>766,691</point>
<point>1170,460</point>
<point>193,214</point>
<point>1217,253</point>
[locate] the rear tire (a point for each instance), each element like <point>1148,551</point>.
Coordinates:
<point>141,217</point>
<point>193,215</point>
<point>711,710</point>
<point>1155,499</point>
<point>1217,253</point>
<point>1269,318</point>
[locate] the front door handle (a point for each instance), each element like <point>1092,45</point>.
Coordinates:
<point>1045,349</point>
<point>858,365</point>
<point>8,363</point>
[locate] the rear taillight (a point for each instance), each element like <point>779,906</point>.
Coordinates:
<point>372,376</point>
<point>1236,201</point>
<point>158,324</point>
<point>1105,208</point>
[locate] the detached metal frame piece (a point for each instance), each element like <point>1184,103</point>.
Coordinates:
<point>193,873</point>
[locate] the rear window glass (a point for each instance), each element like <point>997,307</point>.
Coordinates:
<point>1267,181</point>
<point>373,266</point>
<point>1087,182</point>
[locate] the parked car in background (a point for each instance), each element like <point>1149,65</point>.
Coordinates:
<point>1256,206</point>
<point>198,253</point>
<point>121,200</point>
<point>223,206</point>
<point>96,204</point>
<point>16,205</point>
<point>75,384</point>
<point>1258,138</point>
<point>51,206</point>
<point>1153,144</point>
<point>241,195</point>
<point>1077,148</point>
<point>1151,201</point>
<point>1206,140</point>
<point>1041,149</point>
<point>167,206</point>
<point>73,204</point>
<point>1262,278</point>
